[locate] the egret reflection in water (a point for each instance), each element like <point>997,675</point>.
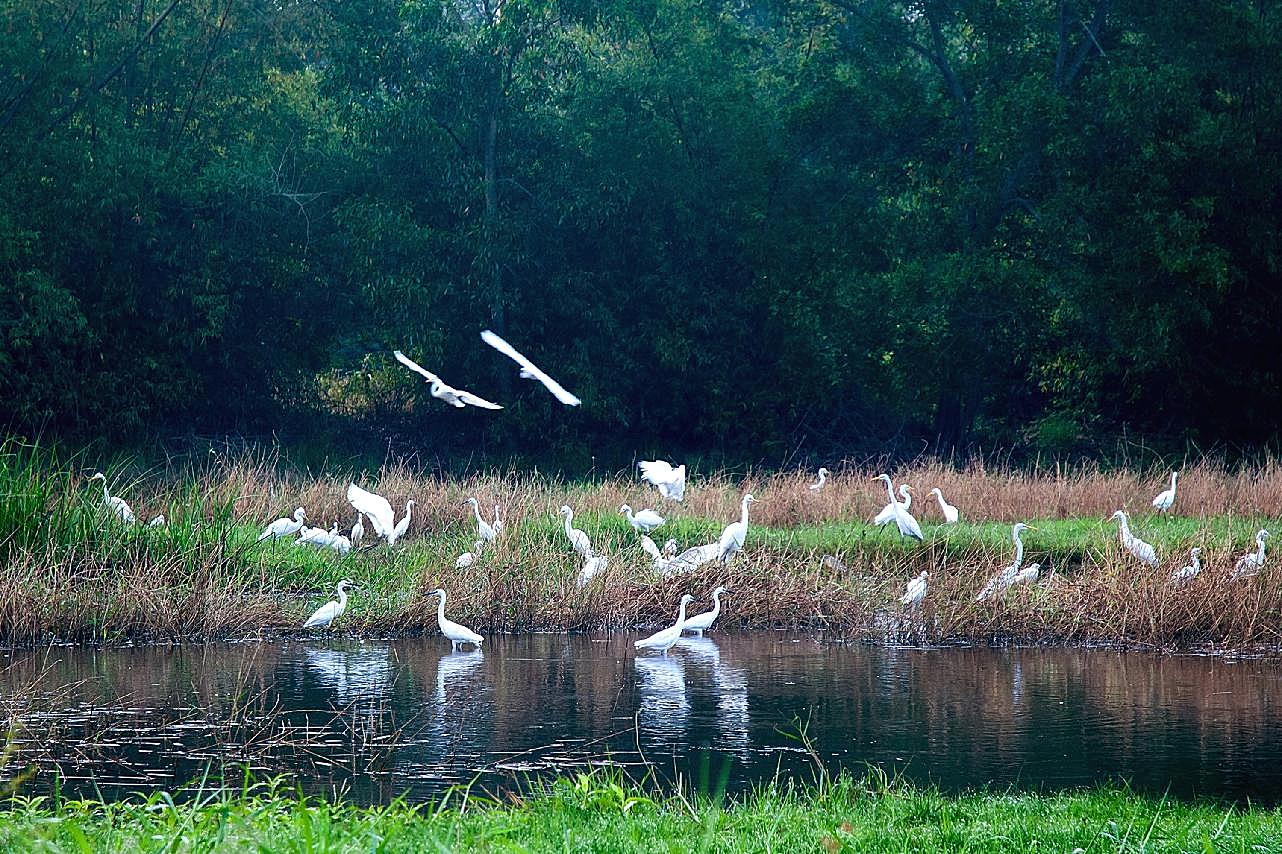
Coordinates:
<point>361,675</point>
<point>664,708</point>
<point>730,685</point>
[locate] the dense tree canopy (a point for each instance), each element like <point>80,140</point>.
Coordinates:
<point>749,227</point>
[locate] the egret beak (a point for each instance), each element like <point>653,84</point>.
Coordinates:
<point>1031,528</point>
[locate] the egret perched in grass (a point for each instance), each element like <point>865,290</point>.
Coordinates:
<point>1188,573</point>
<point>497,524</point>
<point>578,540</point>
<point>284,527</point>
<point>318,537</point>
<point>592,567</point>
<point>700,623</point>
<point>645,521</point>
<point>906,524</point>
<point>1133,544</point>
<point>326,614</point>
<point>1006,577</point>
<point>380,513</point>
<point>915,590</point>
<point>455,397</point>
<point>468,558</point>
<point>457,634</point>
<point>1165,499</point>
<point>1251,562</point>
<point>157,521</point>
<point>484,529</point>
<point>887,514</point>
<point>114,504</point>
<point>950,512</point>
<point>1027,575</point>
<point>528,370</point>
<point>733,535</point>
<point>664,639</point>
<point>338,542</point>
<point>692,558</point>
<point>821,480</point>
<point>358,530</point>
<point>671,482</point>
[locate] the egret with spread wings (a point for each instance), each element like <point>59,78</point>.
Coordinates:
<point>528,369</point>
<point>453,396</point>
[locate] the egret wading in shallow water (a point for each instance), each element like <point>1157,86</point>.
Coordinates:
<point>1133,544</point>
<point>578,540</point>
<point>1188,573</point>
<point>822,479</point>
<point>114,504</point>
<point>458,634</point>
<point>915,590</point>
<point>663,640</point>
<point>284,527</point>
<point>1165,499</point>
<point>455,397</point>
<point>528,370</point>
<point>949,511</point>
<point>1006,577</point>
<point>645,521</point>
<point>1251,562</point>
<point>671,482</point>
<point>733,535</point>
<point>326,614</point>
<point>484,529</point>
<point>906,524</point>
<point>887,514</point>
<point>700,623</point>
<point>380,513</point>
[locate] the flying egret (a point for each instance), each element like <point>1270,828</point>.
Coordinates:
<point>915,590</point>
<point>380,513</point>
<point>326,614</point>
<point>823,478</point>
<point>157,521</point>
<point>887,514</point>
<point>733,535</point>
<point>671,482</point>
<point>663,639</point>
<point>578,540</point>
<point>468,558</point>
<point>483,528</point>
<point>906,524</point>
<point>497,525</point>
<point>455,397</point>
<point>114,504</point>
<point>592,567</point>
<point>950,512</point>
<point>528,370</point>
<point>1251,562</point>
<point>700,623</point>
<point>457,634</point>
<point>1165,499</point>
<point>1006,577</point>
<point>1133,544</point>
<point>284,527</point>
<point>644,521</point>
<point>1187,573</point>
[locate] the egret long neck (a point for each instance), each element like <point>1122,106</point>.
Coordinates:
<point>890,490</point>
<point>1019,549</point>
<point>440,609</point>
<point>1259,554</point>
<point>716,605</point>
<point>1124,530</point>
<point>743,515</point>
<point>569,517</point>
<point>1174,475</point>
<point>942,505</point>
<point>681,615</point>
<point>476,509</point>
<point>342,599</point>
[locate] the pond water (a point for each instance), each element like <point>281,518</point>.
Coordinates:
<point>378,719</point>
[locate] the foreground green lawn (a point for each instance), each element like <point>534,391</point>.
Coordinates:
<point>597,814</point>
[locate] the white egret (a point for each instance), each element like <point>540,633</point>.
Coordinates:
<point>1133,544</point>
<point>1165,499</point>
<point>887,514</point>
<point>592,567</point>
<point>403,525</point>
<point>284,527</point>
<point>380,513</point>
<point>338,542</point>
<point>733,535</point>
<point>468,558</point>
<point>497,525</point>
<point>157,521</point>
<point>483,528</point>
<point>663,640</point>
<point>823,478</point>
<point>950,512</point>
<point>578,540</point>
<point>528,370</point>
<point>1187,573</point>
<point>1251,562</point>
<point>906,524</point>
<point>644,521</point>
<point>1006,577</point>
<point>358,530</point>
<point>700,623</point>
<point>1027,575</point>
<point>656,556</point>
<point>326,614</point>
<point>671,482</point>
<point>318,537</point>
<point>114,504</point>
<point>455,397</point>
<point>692,558</point>
<point>915,590</point>
<point>458,634</point>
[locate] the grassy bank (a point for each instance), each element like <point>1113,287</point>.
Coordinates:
<point>599,814</point>
<point>70,570</point>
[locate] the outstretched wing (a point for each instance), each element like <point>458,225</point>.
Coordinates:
<point>528,368</point>
<point>655,471</point>
<point>375,507</point>
<point>415,367</point>
<point>473,400</point>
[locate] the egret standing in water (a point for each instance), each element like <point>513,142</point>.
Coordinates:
<point>457,634</point>
<point>1165,499</point>
<point>735,533</point>
<point>700,623</point>
<point>822,479</point>
<point>1133,544</point>
<point>1251,562</point>
<point>578,540</point>
<point>484,529</point>
<point>915,590</point>
<point>326,614</point>
<point>114,504</point>
<point>949,511</point>
<point>284,527</point>
<point>663,640</point>
<point>906,524</point>
<point>645,521</point>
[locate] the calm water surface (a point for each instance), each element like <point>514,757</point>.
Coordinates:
<point>377,719</point>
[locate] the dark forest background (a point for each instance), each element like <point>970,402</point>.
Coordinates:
<point>752,229</point>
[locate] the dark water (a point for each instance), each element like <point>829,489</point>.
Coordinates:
<point>379,719</point>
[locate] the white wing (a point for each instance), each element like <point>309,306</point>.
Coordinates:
<point>528,368</point>
<point>415,367</point>
<point>656,471</point>
<point>473,400</point>
<point>650,548</point>
<point>373,506</point>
